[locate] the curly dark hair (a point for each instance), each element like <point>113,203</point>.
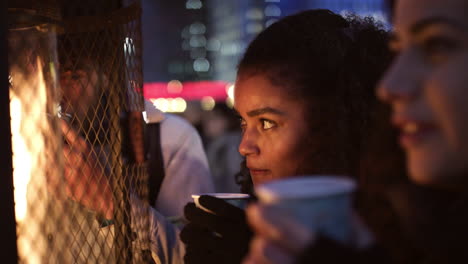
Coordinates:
<point>331,65</point>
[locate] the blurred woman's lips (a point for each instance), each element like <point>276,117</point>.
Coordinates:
<point>260,176</point>
<point>413,132</point>
<point>258,172</point>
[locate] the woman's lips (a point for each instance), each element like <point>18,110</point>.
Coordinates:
<point>414,133</point>
<point>258,172</point>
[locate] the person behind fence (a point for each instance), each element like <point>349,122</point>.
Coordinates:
<point>224,159</point>
<point>426,88</point>
<point>185,167</point>
<point>87,172</point>
<point>304,93</point>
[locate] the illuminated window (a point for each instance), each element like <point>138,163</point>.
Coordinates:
<point>254,14</point>
<point>197,28</point>
<point>231,49</point>
<point>197,41</point>
<point>272,11</point>
<point>201,65</point>
<point>254,28</point>
<point>213,45</point>
<point>193,4</point>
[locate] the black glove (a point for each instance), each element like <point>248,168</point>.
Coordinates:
<point>222,237</point>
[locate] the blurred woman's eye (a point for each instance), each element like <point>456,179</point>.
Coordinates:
<point>243,124</point>
<point>75,76</point>
<point>394,44</point>
<point>267,124</point>
<point>437,49</point>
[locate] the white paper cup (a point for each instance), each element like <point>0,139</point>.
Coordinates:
<point>237,199</point>
<point>321,203</point>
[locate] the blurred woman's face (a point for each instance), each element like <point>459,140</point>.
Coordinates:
<point>427,87</point>
<point>79,89</point>
<point>273,126</point>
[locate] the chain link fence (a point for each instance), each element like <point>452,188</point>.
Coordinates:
<point>77,132</point>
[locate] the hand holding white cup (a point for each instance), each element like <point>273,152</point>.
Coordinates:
<point>320,203</point>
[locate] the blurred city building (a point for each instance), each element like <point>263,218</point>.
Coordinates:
<point>191,47</point>
<point>233,24</point>
<point>174,41</point>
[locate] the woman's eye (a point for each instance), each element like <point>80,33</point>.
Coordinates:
<point>75,76</point>
<point>243,124</point>
<point>394,44</point>
<point>267,124</point>
<point>437,49</point>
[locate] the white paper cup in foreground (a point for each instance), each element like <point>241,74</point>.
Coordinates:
<point>237,199</point>
<point>321,203</point>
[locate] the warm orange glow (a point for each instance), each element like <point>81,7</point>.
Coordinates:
<point>22,174</point>
<point>27,157</point>
<point>32,148</point>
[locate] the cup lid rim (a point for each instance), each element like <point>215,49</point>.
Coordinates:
<point>223,195</point>
<point>276,190</point>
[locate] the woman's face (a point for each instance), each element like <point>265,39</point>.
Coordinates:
<point>427,87</point>
<point>274,129</point>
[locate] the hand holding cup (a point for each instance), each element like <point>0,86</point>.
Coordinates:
<point>217,231</point>
<point>292,213</point>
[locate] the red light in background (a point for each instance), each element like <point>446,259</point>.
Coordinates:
<point>190,90</point>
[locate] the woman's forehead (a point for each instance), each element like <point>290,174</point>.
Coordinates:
<point>259,87</point>
<point>409,13</point>
<point>258,92</point>
<point>74,64</point>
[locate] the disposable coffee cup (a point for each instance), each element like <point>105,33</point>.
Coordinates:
<point>321,203</point>
<point>237,199</point>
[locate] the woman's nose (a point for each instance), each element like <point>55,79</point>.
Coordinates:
<point>401,82</point>
<point>248,144</point>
